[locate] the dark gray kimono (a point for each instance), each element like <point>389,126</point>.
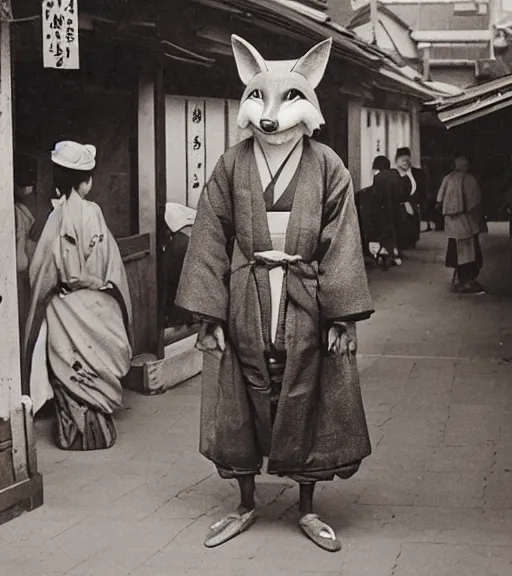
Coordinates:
<point>320,428</point>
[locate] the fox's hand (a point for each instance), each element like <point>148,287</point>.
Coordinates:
<point>211,338</point>
<point>342,339</point>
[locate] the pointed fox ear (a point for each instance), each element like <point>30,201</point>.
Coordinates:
<point>312,65</point>
<point>248,60</point>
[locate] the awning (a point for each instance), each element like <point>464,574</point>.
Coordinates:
<point>294,17</point>
<point>475,102</point>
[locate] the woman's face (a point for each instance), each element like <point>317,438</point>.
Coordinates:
<point>403,162</point>
<point>85,188</point>
<point>24,191</point>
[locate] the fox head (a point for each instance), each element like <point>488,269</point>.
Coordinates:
<point>279,103</point>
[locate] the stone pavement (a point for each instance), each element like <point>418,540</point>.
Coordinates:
<point>434,499</point>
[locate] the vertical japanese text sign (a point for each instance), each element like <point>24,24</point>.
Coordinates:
<point>195,151</point>
<point>60,34</point>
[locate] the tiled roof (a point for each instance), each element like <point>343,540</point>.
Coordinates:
<point>475,102</point>
<point>317,25</point>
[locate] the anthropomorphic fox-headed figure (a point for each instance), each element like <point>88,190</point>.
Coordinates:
<point>275,273</point>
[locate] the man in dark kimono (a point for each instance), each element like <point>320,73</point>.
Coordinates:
<point>275,271</point>
<point>381,211</point>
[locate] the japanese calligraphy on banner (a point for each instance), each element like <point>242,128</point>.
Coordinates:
<point>5,10</point>
<point>195,151</point>
<point>60,34</point>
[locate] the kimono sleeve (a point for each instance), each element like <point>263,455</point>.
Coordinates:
<point>203,287</point>
<point>442,190</point>
<point>343,292</point>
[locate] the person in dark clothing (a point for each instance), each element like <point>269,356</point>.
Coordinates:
<point>412,198</point>
<point>380,223</point>
<point>179,220</point>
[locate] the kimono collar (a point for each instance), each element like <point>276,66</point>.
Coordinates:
<point>409,175</point>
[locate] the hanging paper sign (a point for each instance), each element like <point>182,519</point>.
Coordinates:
<point>60,34</point>
<point>195,151</point>
<point>5,10</point>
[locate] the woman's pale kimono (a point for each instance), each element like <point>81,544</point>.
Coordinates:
<point>78,329</point>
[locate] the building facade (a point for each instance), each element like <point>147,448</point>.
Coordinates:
<point>462,43</point>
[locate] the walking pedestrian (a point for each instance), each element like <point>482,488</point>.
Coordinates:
<point>412,196</point>
<point>459,198</point>
<point>380,224</point>
<point>77,337</point>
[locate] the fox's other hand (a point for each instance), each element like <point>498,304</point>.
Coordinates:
<point>342,339</point>
<point>211,338</point>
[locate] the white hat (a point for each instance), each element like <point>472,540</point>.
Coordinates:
<point>75,156</point>
<point>178,216</point>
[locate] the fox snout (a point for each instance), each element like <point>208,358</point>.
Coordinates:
<point>269,126</point>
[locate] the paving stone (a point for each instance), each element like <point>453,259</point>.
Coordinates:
<point>471,425</point>
<point>444,560</point>
<point>498,494</point>
<point>377,558</point>
<point>463,459</point>
<point>137,546</point>
<point>451,490</point>
<point>399,488</point>
<point>445,525</point>
<point>405,457</point>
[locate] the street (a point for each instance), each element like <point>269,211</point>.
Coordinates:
<point>434,498</point>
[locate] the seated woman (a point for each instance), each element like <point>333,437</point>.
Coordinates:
<point>77,336</point>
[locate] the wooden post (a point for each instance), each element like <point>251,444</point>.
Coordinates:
<point>354,141</point>
<point>160,198</point>
<point>415,135</point>
<point>425,60</point>
<point>20,488</point>
<point>373,20</point>
<point>147,193</point>
<point>492,17</point>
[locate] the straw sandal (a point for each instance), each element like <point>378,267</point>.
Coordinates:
<point>320,533</point>
<point>228,527</point>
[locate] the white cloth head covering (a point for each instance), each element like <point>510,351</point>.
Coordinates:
<point>74,156</point>
<point>178,216</point>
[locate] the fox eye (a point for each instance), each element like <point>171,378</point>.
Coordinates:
<point>294,94</point>
<point>257,94</point>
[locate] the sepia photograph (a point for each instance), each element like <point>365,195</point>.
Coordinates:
<point>256,287</point>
